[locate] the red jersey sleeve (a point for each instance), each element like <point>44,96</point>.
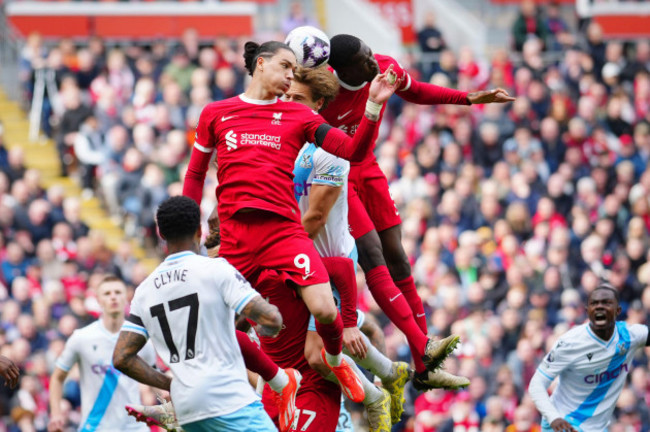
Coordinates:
<point>204,145</point>
<point>338,143</point>
<point>419,92</point>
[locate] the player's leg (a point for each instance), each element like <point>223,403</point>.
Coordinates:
<point>251,418</point>
<point>319,301</point>
<point>400,270</point>
<point>284,382</point>
<point>388,296</point>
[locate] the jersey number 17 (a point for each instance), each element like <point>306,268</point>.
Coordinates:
<point>158,311</point>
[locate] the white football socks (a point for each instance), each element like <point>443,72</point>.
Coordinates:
<point>279,381</point>
<point>371,391</point>
<point>333,359</point>
<point>375,361</point>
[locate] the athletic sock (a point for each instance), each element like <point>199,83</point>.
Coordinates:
<point>279,381</point>
<point>371,390</point>
<point>375,361</point>
<point>407,286</point>
<point>332,335</point>
<point>255,359</point>
<point>392,302</point>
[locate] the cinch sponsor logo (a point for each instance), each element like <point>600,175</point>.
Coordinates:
<point>606,376</point>
<point>272,141</point>
<point>101,369</point>
<point>301,189</point>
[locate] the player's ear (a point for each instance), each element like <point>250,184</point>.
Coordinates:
<point>197,235</point>
<point>618,310</point>
<point>319,104</point>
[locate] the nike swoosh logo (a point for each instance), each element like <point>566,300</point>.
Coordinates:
<point>343,115</point>
<point>308,275</point>
<point>420,315</point>
<point>223,119</point>
<point>395,297</point>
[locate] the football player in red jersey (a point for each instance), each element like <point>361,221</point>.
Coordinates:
<point>374,220</point>
<point>257,138</point>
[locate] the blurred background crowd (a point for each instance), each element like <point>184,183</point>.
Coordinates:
<point>511,214</point>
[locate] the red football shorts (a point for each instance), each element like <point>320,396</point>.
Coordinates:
<point>318,404</point>
<point>370,205</point>
<point>260,240</point>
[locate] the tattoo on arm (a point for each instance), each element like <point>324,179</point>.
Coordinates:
<point>265,315</point>
<point>127,361</point>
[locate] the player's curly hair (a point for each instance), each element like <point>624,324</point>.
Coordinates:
<point>253,51</point>
<point>342,48</point>
<point>178,218</point>
<point>604,285</point>
<point>321,82</point>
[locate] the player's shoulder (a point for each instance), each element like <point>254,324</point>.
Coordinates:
<point>216,107</point>
<point>301,109</point>
<point>636,331</point>
<point>89,331</point>
<point>573,339</point>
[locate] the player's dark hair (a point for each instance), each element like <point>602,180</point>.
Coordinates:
<point>609,287</point>
<point>178,218</point>
<point>343,47</point>
<point>321,82</point>
<point>253,51</point>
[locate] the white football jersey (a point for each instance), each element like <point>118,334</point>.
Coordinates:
<point>316,166</point>
<point>591,373</point>
<point>104,390</point>
<point>187,307</point>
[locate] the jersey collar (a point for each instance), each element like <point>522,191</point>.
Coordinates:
<point>605,343</point>
<point>178,255</point>
<point>350,87</point>
<point>246,99</point>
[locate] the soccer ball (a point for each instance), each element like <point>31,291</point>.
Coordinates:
<point>311,46</point>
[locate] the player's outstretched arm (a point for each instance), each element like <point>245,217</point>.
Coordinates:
<point>57,420</point>
<point>266,315</point>
<point>354,149</point>
<point>497,95</point>
<point>127,361</point>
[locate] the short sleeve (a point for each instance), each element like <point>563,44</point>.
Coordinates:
<point>557,360</point>
<point>204,139</point>
<point>329,170</point>
<point>236,290</point>
<point>133,322</point>
<point>638,335</point>
<point>70,354</point>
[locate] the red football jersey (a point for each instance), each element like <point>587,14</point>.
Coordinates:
<point>346,111</point>
<point>257,143</point>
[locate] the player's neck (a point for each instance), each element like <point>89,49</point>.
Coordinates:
<point>113,323</point>
<point>604,334</point>
<point>257,91</point>
<point>182,246</point>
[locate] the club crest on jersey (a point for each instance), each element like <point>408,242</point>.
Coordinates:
<point>231,140</point>
<point>551,357</point>
<point>621,348</point>
<point>589,356</point>
<point>276,118</point>
<point>305,161</point>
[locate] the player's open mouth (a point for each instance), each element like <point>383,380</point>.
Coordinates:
<point>600,319</point>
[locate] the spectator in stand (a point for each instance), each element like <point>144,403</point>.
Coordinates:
<point>528,24</point>
<point>296,18</point>
<point>431,43</point>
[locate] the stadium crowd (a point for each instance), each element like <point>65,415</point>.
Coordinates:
<point>511,214</point>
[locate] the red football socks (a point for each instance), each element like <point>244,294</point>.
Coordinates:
<point>407,286</point>
<point>332,335</point>
<point>391,300</point>
<point>255,359</point>
<point>342,274</point>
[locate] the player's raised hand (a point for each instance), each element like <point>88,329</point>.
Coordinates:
<point>56,423</point>
<point>384,85</point>
<point>353,341</point>
<point>9,371</point>
<point>561,425</point>
<point>497,95</point>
